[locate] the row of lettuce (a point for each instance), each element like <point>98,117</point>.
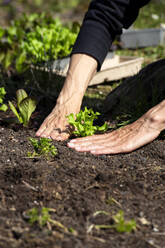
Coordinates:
<point>35,39</point>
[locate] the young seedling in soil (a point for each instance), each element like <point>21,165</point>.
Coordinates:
<point>120,224</point>
<point>83,123</point>
<point>42,147</point>
<point>25,105</point>
<point>3,107</point>
<point>43,218</point>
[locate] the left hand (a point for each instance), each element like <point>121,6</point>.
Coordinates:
<point>122,140</point>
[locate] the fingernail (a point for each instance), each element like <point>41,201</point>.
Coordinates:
<point>72,141</point>
<point>70,144</point>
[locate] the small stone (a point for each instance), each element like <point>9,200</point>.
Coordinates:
<point>144,221</point>
<point>155,229</point>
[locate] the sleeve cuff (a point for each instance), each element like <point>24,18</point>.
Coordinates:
<point>93,40</point>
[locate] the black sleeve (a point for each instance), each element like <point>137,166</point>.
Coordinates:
<point>102,22</point>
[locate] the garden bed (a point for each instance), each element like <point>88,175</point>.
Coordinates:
<point>77,185</point>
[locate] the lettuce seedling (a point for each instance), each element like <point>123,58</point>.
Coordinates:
<point>26,106</point>
<point>42,147</point>
<point>120,224</point>
<point>43,218</point>
<point>83,123</point>
<point>3,107</point>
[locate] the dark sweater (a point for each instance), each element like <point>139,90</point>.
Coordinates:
<point>102,22</point>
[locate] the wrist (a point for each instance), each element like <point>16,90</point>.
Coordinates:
<point>81,70</point>
<point>156,117</point>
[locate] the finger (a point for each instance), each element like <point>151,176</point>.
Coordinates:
<point>59,136</point>
<point>86,148</point>
<point>49,127</point>
<point>62,137</point>
<point>84,144</point>
<point>99,140</point>
<point>109,150</point>
<point>88,140</point>
<point>46,132</point>
<point>45,128</point>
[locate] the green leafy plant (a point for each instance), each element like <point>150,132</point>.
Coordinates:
<point>48,42</point>
<point>3,107</point>
<point>42,147</point>
<point>83,123</point>
<point>120,224</point>
<point>33,39</point>
<point>26,106</point>
<point>43,218</point>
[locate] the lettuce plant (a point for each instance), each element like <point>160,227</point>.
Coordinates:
<point>3,107</point>
<point>43,218</point>
<point>26,106</point>
<point>120,224</point>
<point>42,147</point>
<point>48,42</point>
<point>83,123</point>
<point>33,39</point>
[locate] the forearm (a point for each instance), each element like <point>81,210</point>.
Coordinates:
<point>81,70</point>
<point>103,21</point>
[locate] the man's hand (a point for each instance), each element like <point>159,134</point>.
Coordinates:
<point>82,68</point>
<point>126,139</point>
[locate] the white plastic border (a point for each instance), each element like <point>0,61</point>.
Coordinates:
<point>138,38</point>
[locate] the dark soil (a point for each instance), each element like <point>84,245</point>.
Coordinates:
<point>77,185</point>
